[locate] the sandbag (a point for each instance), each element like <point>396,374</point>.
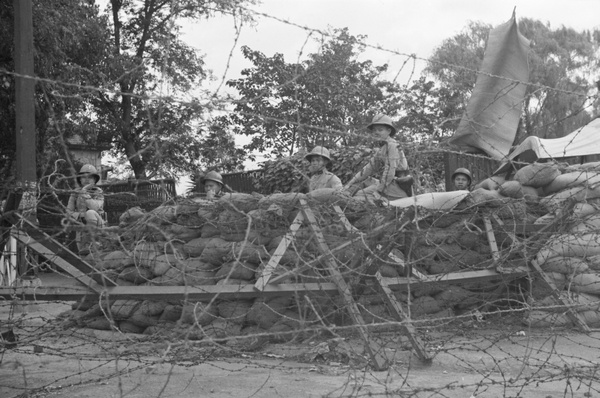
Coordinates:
<point>490,184</point>
<point>593,262</point>
<point>144,253</point>
<point>590,224</point>
<point>511,189</point>
<point>537,175</point>
<point>265,313</point>
<point>194,247</point>
<point>131,216</point>
<point>424,305</point>
<point>162,215</point>
<point>216,251</point>
<point>584,209</point>
<point>136,275</point>
<point>235,311</point>
<point>287,203</point>
<point>240,201</point>
<point>530,194</point>
<point>199,313</point>
<point>578,194</point>
<point>123,309</point>
<point>569,246</point>
<point>199,278</point>
<point>237,270</point>
<point>452,295</point>
<point>209,230</point>
<point>486,197</point>
<point>545,219</point>
<point>116,260</point>
<point>142,321</point>
<point>586,283</point>
<point>163,263</point>
<point>184,233</point>
<point>245,251</point>
<point>571,180</point>
<point>151,308</point>
<point>232,222</point>
<point>544,319</point>
<point>329,196</point>
<point>565,265</point>
<point>195,264</point>
<point>173,277</point>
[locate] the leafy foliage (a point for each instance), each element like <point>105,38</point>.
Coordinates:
<point>324,100</point>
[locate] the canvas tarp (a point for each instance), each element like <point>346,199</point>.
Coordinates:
<point>581,142</point>
<point>490,121</point>
<point>584,141</point>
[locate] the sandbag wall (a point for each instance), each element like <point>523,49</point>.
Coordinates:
<point>224,242</point>
<point>570,255</point>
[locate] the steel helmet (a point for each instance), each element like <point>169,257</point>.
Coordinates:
<point>462,170</point>
<point>383,120</point>
<point>88,169</point>
<point>318,151</point>
<point>213,176</point>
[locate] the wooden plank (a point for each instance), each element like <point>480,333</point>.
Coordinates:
<point>58,261</point>
<point>279,252</point>
<point>401,316</point>
<point>229,292</point>
<point>455,278</point>
<point>375,351</point>
<point>349,227</point>
<point>491,238</point>
<point>63,252</point>
<point>574,316</point>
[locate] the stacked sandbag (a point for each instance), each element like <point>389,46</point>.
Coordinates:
<point>569,255</point>
<point>227,242</point>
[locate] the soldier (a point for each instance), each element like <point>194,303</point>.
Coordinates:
<point>213,184</point>
<point>86,204</point>
<point>461,179</point>
<point>388,163</point>
<point>320,177</point>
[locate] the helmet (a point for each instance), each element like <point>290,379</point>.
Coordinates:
<point>88,169</point>
<point>383,120</point>
<point>212,176</point>
<point>318,151</point>
<point>462,170</point>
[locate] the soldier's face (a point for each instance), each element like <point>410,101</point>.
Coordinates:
<point>317,162</point>
<point>212,186</point>
<point>381,132</point>
<point>461,182</point>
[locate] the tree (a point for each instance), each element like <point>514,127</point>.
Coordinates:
<point>324,100</point>
<point>561,76</point>
<point>69,41</point>
<point>147,59</point>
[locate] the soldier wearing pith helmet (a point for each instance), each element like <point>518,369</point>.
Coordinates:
<point>320,177</point>
<point>461,179</point>
<point>387,164</point>
<point>213,184</point>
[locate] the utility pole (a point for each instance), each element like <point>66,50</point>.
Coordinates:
<point>26,176</point>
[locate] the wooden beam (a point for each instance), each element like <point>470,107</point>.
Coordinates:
<point>455,278</point>
<point>279,252</point>
<point>229,292</point>
<point>489,231</point>
<point>400,315</point>
<point>58,261</point>
<point>374,349</point>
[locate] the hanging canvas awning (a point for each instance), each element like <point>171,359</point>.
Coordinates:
<point>489,124</point>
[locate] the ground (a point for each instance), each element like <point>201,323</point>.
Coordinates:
<point>497,357</point>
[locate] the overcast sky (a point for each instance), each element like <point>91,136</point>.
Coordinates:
<point>409,27</point>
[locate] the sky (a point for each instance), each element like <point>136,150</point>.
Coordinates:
<point>408,27</point>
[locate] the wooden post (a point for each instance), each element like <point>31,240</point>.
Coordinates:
<point>24,90</point>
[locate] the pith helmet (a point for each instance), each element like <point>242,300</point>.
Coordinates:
<point>383,120</point>
<point>88,169</point>
<point>462,170</point>
<point>318,151</point>
<point>212,176</point>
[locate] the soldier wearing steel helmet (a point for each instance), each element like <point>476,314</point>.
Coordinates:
<point>320,177</point>
<point>388,163</point>
<point>461,179</point>
<point>213,184</point>
<point>86,204</point>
